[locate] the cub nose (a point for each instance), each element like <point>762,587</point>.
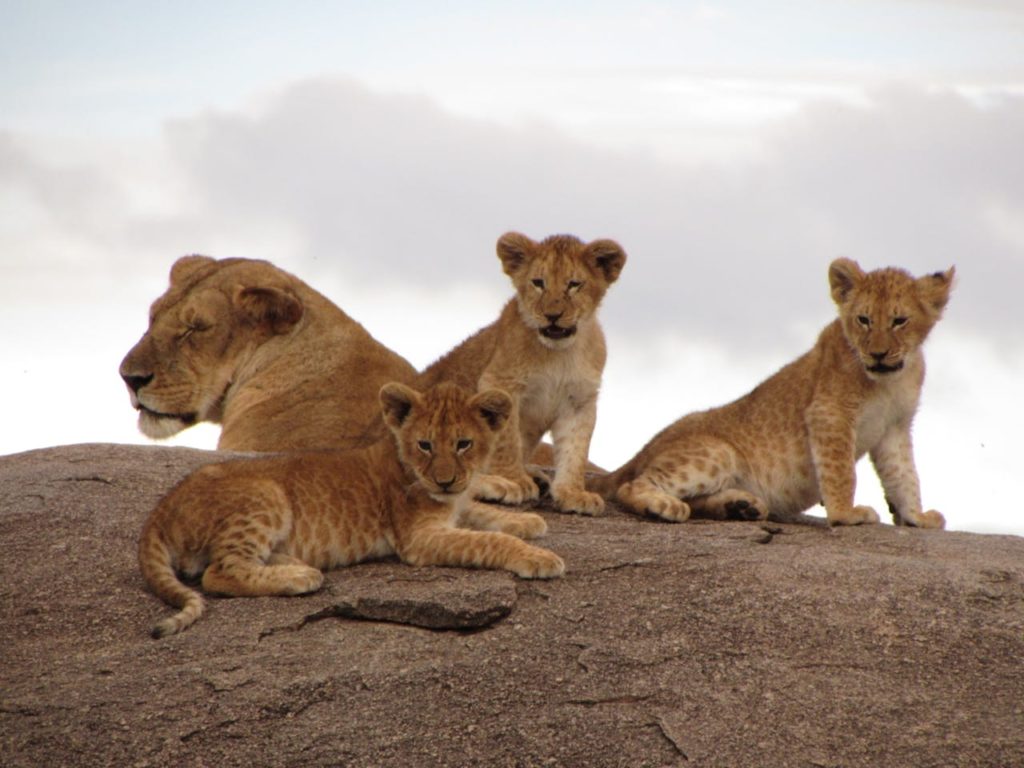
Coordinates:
<point>135,383</point>
<point>552,319</point>
<point>444,485</point>
<point>880,356</point>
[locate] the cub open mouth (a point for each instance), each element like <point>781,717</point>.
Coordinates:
<point>556,332</point>
<point>883,368</point>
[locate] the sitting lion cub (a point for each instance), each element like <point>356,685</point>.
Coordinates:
<point>547,351</point>
<point>795,439</point>
<point>268,526</point>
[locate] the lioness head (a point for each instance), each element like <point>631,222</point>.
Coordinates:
<point>887,314</point>
<point>213,313</point>
<point>559,281</point>
<point>445,434</point>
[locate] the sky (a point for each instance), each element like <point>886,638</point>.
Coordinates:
<point>377,151</point>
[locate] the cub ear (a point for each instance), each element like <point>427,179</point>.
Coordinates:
<point>934,289</point>
<point>278,309</point>
<point>608,257</point>
<point>514,250</point>
<point>843,276</point>
<point>494,405</point>
<point>396,402</point>
<point>187,266</point>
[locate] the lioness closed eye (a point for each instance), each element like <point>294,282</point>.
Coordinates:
<point>269,526</point>
<point>795,439</point>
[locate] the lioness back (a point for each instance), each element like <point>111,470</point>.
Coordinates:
<point>547,350</point>
<point>270,526</point>
<point>794,440</point>
<point>246,345</point>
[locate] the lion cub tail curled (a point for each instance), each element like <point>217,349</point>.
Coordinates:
<point>605,484</point>
<point>155,563</point>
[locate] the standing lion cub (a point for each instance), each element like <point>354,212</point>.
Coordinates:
<point>546,350</point>
<point>795,439</point>
<point>269,526</point>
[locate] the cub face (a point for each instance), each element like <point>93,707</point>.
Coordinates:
<point>887,314</point>
<point>446,434</point>
<point>559,281</point>
<point>178,372</point>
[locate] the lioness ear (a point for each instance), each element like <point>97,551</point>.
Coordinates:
<point>609,257</point>
<point>843,277</point>
<point>514,250</point>
<point>397,402</point>
<point>494,405</point>
<point>934,289</point>
<point>186,266</point>
<point>278,309</point>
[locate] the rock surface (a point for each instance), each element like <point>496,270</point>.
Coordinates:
<point>702,644</point>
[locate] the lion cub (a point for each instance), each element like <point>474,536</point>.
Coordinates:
<point>795,439</point>
<point>546,350</point>
<point>269,526</point>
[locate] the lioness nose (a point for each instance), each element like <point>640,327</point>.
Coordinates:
<point>135,383</point>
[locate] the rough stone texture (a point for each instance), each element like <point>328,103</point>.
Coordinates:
<point>702,644</point>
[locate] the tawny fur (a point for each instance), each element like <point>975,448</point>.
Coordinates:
<point>547,350</point>
<point>243,344</point>
<point>794,441</point>
<point>270,526</point>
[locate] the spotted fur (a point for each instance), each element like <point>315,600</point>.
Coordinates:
<point>270,526</point>
<point>795,439</point>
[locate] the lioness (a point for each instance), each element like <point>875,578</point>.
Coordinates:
<point>269,526</point>
<point>795,439</point>
<point>244,344</point>
<point>546,350</point>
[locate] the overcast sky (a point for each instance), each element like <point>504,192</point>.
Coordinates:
<point>378,151</point>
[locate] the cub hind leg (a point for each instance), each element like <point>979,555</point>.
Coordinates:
<point>687,477</point>
<point>243,560</point>
<point>731,503</point>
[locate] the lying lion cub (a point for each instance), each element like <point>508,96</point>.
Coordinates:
<point>795,439</point>
<point>547,351</point>
<point>246,345</point>
<point>269,526</point>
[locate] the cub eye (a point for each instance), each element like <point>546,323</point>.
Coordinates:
<point>538,283</point>
<point>425,446</point>
<point>463,445</point>
<point>574,285</point>
<point>864,320</point>
<point>899,322</point>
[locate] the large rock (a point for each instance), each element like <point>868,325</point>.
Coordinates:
<point>702,644</point>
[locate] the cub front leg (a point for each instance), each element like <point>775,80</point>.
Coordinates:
<point>506,479</point>
<point>833,449</point>
<point>485,517</point>
<point>431,542</point>
<point>571,435</point>
<point>893,459</point>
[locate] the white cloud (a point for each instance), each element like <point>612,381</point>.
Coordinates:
<point>391,206</point>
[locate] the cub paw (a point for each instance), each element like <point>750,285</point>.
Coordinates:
<point>929,519</point>
<point>506,491</point>
<point>577,500</point>
<point>668,508</point>
<point>538,564</point>
<point>526,525</point>
<point>302,579</point>
<point>745,509</point>
<point>858,515</point>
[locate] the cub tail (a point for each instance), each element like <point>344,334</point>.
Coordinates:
<point>158,571</point>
